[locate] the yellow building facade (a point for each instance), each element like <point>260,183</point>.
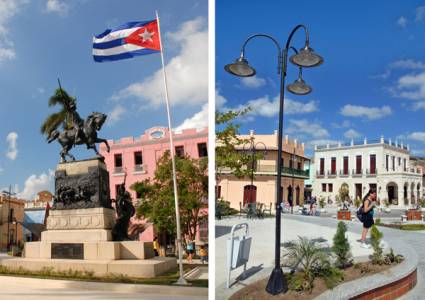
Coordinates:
<point>239,192</point>
<point>11,219</point>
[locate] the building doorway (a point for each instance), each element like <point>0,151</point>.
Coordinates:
<point>249,194</point>
<point>392,193</point>
<point>297,195</point>
<point>290,196</point>
<point>358,190</point>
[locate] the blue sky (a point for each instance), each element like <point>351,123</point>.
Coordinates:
<point>372,82</point>
<point>43,40</point>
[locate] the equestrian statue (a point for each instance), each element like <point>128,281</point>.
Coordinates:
<point>76,131</point>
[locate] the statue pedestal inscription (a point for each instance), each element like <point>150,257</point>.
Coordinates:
<point>80,223</point>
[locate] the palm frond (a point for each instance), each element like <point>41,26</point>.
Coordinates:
<point>53,121</point>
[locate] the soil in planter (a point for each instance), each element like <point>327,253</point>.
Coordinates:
<point>257,290</point>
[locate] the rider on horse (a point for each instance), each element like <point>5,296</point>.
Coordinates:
<point>76,120</point>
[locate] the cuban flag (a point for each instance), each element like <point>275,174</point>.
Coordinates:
<point>126,41</point>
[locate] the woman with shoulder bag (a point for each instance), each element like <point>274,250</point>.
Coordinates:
<point>369,203</point>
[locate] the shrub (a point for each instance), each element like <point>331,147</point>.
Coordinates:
<point>376,236</point>
<point>357,202</point>
<point>341,247</point>
<point>363,268</point>
<point>386,203</point>
<point>378,221</point>
<point>322,202</point>
<point>391,258</point>
<point>223,208</point>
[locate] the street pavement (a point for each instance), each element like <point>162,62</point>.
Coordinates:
<point>262,248</point>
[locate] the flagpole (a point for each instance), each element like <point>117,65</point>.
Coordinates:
<point>181,280</point>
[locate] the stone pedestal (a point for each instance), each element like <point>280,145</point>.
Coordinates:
<point>79,228</point>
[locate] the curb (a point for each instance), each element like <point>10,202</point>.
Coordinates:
<point>360,286</point>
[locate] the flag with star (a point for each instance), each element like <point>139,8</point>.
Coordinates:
<point>126,41</point>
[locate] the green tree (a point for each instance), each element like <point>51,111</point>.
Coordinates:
<point>157,195</point>
<point>341,246</point>
<point>227,155</point>
<point>54,120</point>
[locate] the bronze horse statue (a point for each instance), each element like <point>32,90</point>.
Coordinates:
<point>67,138</point>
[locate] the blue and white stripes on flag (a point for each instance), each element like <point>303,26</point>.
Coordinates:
<point>126,41</point>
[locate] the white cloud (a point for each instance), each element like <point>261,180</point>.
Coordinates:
<point>197,121</point>
<point>307,127</point>
<point>402,22</point>
<point>36,183</point>
<point>12,150</point>
<point>253,82</point>
<point>417,136</point>
<point>220,101</point>
<point>8,9</point>
<point>407,64</point>
<point>57,6</point>
<point>419,105</point>
<point>370,113</point>
<point>352,134</point>
<point>187,73</point>
<point>410,86</point>
<point>115,114</point>
<point>344,124</point>
<point>266,107</point>
<point>420,14</point>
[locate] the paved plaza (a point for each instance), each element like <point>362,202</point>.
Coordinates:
<point>262,249</point>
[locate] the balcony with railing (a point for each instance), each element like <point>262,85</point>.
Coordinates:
<point>331,174</point>
<point>320,174</point>
<point>270,169</point>
<point>140,169</point>
<point>118,170</point>
<point>295,172</point>
<point>365,141</point>
<point>344,173</point>
<point>357,172</point>
<point>371,172</point>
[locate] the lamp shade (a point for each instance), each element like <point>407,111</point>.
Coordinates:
<point>299,87</point>
<point>306,57</point>
<point>240,68</point>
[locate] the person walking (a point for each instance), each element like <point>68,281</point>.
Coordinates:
<point>203,253</point>
<point>190,247</point>
<point>156,246</point>
<point>369,203</point>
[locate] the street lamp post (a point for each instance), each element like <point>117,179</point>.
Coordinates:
<point>253,151</point>
<point>303,58</point>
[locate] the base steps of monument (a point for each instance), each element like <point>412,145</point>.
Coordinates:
<point>146,268</point>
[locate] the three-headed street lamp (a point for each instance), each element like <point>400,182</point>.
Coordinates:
<point>252,150</point>
<point>305,57</point>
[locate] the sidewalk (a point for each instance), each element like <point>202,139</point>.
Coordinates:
<point>262,248</point>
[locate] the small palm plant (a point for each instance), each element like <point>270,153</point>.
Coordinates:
<point>311,261</point>
<point>54,120</point>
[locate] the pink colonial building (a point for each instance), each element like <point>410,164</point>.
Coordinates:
<point>137,156</point>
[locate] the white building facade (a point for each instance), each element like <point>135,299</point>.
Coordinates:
<point>380,164</point>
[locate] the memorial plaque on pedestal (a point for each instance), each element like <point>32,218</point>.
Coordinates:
<point>68,250</point>
<point>82,184</point>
